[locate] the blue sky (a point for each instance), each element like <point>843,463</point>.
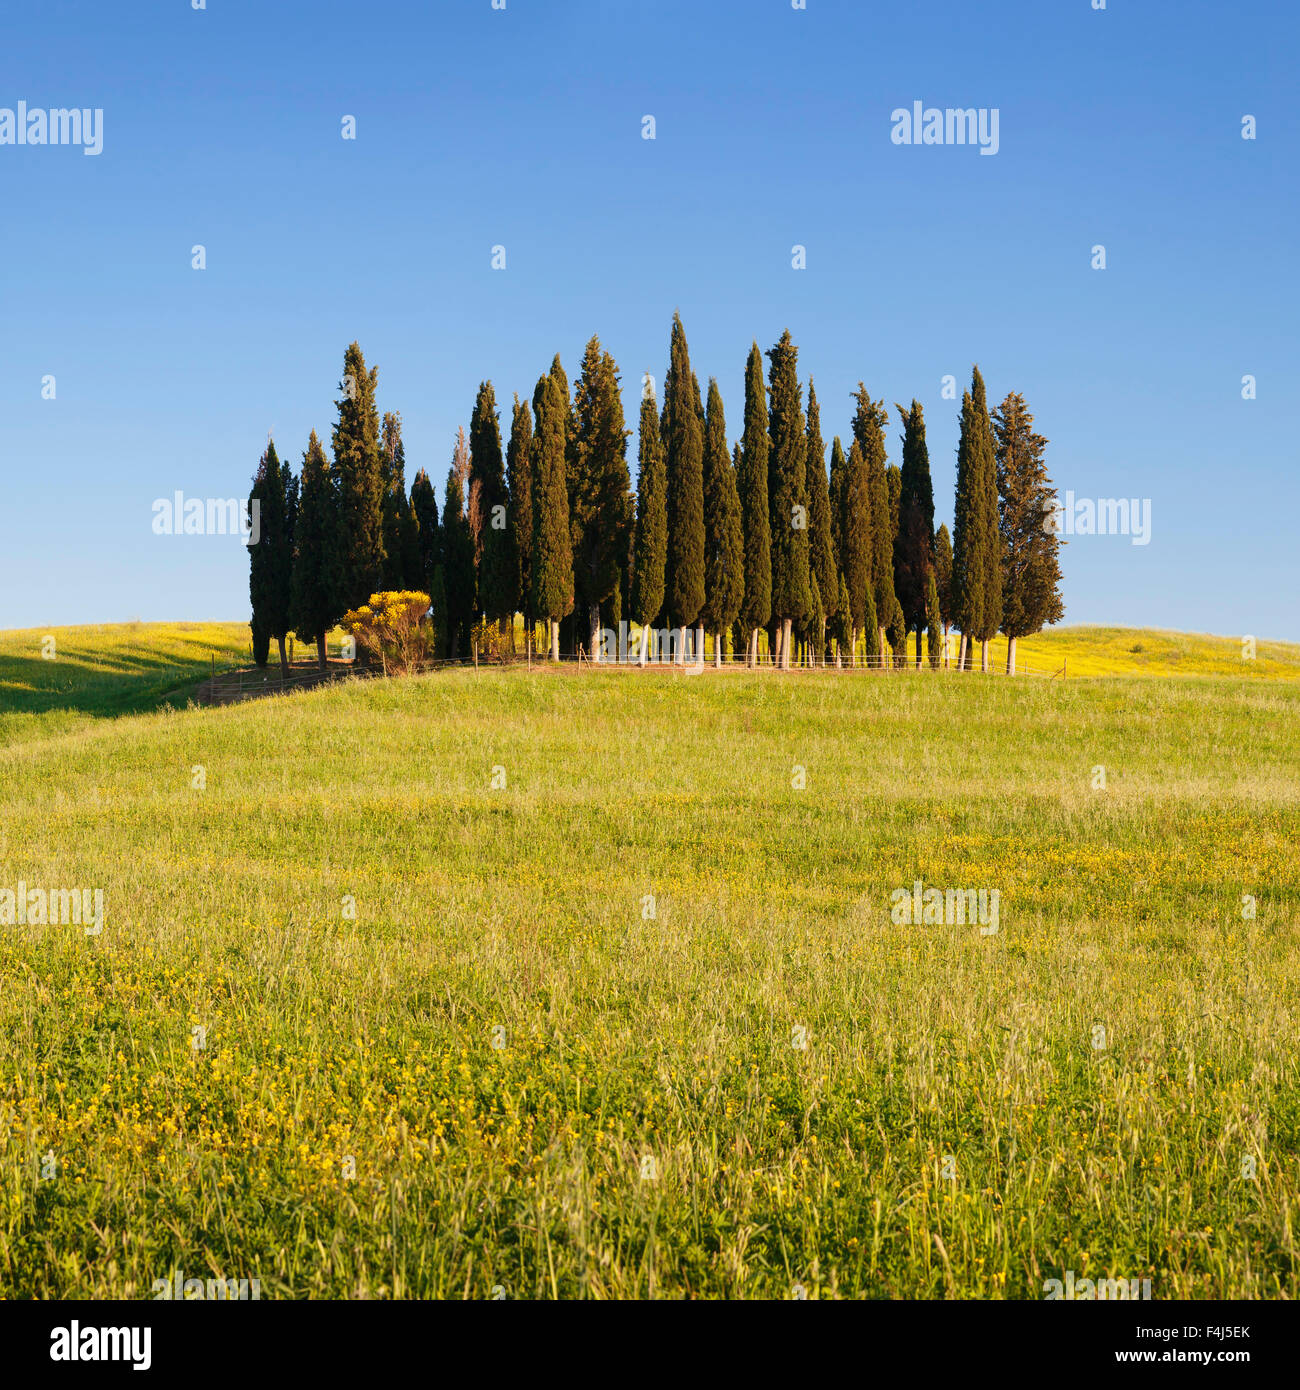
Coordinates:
<point>523,127</point>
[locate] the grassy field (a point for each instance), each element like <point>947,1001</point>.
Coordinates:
<point>502,981</point>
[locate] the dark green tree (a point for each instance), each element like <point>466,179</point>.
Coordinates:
<point>821,529</point>
<point>724,542</point>
<point>489,507</point>
<point>270,573</point>
<point>359,467</point>
<point>316,592</point>
<point>869,423</point>
<point>976,562</point>
<point>651,522</point>
<point>914,543</point>
<point>552,550</point>
<point>751,484</point>
<point>787,471</point>
<point>1030,546</point>
<point>855,542</point>
<point>991,618</point>
<point>600,489</point>
<point>458,553</point>
<point>683,440</point>
<point>943,581</point>
<point>424,507</point>
<point>519,481</point>
<point>401,568</point>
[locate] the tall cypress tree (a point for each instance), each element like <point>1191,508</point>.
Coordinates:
<point>359,467</point>
<point>787,471</point>
<point>856,551</point>
<point>1030,550</point>
<point>424,507</point>
<point>967,554</point>
<point>821,530</point>
<point>724,542</point>
<point>316,592</point>
<point>596,525</point>
<point>869,423</point>
<point>458,553</point>
<point>651,522</point>
<point>943,581</point>
<point>684,465</point>
<point>270,571</point>
<point>751,484</point>
<point>519,483</point>
<point>489,503</point>
<point>991,613</point>
<point>914,544</point>
<point>552,559</point>
<point>402,568</point>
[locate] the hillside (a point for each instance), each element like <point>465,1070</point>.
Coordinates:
<point>592,987</point>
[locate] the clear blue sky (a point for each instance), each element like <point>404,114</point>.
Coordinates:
<point>522,127</point>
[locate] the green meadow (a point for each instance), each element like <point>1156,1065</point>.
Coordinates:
<point>585,984</point>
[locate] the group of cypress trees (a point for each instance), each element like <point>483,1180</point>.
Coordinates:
<point>732,541</point>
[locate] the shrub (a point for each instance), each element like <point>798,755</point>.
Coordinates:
<point>392,629</point>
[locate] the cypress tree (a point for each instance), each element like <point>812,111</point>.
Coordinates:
<point>724,542</point>
<point>967,552</point>
<point>933,621</point>
<point>1030,549</point>
<point>991,614</point>
<point>821,530</point>
<point>943,580</point>
<point>402,568</point>
<point>683,441</point>
<point>270,571</point>
<point>552,557</point>
<point>977,568</point>
<point>458,553</point>
<point>519,482</point>
<point>489,503</point>
<point>651,522</point>
<point>869,423</point>
<point>855,541</point>
<point>316,592</point>
<point>599,491</point>
<point>751,484</point>
<point>914,545</point>
<point>787,472</point>
<point>358,465</point>
<point>838,463</point>
<point>424,507</point>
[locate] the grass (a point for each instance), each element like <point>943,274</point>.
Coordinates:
<point>500,1072</point>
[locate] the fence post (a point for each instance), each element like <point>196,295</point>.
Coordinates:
<point>476,653</point>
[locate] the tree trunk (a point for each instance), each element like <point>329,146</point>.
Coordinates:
<point>284,659</point>
<point>1011,656</point>
<point>645,642</point>
<point>961,654</point>
<point>555,639</point>
<point>717,650</point>
<point>322,657</point>
<point>984,654</point>
<point>593,626</point>
<point>786,625</point>
<point>946,658</point>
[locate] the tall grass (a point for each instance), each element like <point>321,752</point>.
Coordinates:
<point>554,1052</point>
